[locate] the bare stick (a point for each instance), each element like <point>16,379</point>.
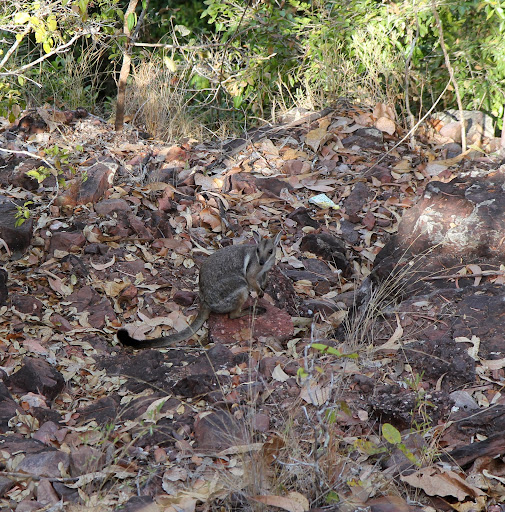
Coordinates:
<point>451,75</point>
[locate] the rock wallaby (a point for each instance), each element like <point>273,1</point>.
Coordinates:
<point>226,278</point>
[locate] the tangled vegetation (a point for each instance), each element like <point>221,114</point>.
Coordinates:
<point>234,64</point>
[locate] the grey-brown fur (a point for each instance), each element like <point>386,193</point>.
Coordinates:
<point>226,278</point>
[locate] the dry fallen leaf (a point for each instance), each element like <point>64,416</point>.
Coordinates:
<point>293,502</point>
<point>437,482</point>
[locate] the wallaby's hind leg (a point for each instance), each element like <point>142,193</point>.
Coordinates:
<point>241,297</point>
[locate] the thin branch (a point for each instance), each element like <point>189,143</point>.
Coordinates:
<point>60,49</point>
<point>388,152</point>
<point>14,47</point>
<point>484,273</point>
<point>178,46</point>
<point>451,75</point>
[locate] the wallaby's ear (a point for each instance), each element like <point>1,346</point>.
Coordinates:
<point>257,237</point>
<point>277,238</point>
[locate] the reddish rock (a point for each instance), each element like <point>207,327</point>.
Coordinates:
<point>311,307</point>
<point>45,463</point>
<point>103,411</point>
<point>100,314</point>
<point>356,200</point>
<point>184,297</point>
<point>107,207</point>
<point>218,431</point>
<point>139,226</point>
<point>216,358</point>
<point>67,241</point>
<point>99,177</point>
<point>280,288</point>
<point>27,305</point>
<point>261,422</point>
<point>46,495</point>
<point>38,376</point>
<point>82,298</point>
<point>302,218</point>
<point>19,178</point>
<point>267,366</point>
<point>272,187</point>
<point>86,459</point>
<point>60,322</point>
<point>454,224</point>
<point>99,174</point>
<point>8,408</point>
<point>128,294</point>
<point>273,323</point>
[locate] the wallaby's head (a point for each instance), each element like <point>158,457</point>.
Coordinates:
<point>265,249</point>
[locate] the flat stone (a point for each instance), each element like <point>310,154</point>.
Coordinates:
<point>5,485</point>
<point>8,408</point>
<point>218,431</point>
<point>107,207</point>
<point>27,305</point>
<point>86,459</point>
<point>46,493</point>
<point>139,226</point>
<point>45,463</point>
<point>273,323</point>
<point>356,200</point>
<point>103,411</point>
<point>67,241</point>
<point>38,376</point>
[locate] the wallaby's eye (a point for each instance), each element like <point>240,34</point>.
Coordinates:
<point>271,251</point>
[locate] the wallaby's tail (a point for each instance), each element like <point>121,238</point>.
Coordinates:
<point>166,341</point>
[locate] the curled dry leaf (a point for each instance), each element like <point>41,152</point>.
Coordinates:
<point>293,502</point>
<point>103,266</point>
<point>279,374</point>
<point>315,394</point>
<point>436,482</point>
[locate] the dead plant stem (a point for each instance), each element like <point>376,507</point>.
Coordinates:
<point>451,75</point>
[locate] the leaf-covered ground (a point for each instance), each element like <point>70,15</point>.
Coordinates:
<point>283,410</point>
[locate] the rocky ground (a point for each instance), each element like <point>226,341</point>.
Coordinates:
<point>373,379</point>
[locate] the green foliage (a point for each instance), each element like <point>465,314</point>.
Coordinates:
<point>61,162</point>
<point>22,214</point>
<point>393,437</point>
<point>39,32</point>
<point>11,101</point>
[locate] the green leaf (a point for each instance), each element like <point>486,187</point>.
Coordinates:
<point>325,349</point>
<point>391,434</point>
<point>184,31</point>
<point>52,25</point>
<point>131,21</point>
<point>332,497</point>
<point>21,18</point>
<point>301,373</point>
